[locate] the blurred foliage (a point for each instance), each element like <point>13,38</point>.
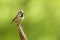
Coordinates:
<point>42,19</point>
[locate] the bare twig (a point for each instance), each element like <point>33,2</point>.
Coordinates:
<point>21,33</point>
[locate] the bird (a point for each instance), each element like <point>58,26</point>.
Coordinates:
<point>19,18</point>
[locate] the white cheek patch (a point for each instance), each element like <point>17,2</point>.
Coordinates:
<point>19,15</point>
<point>22,17</point>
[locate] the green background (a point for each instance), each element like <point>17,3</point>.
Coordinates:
<point>42,19</point>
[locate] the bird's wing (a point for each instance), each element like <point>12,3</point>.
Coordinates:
<point>14,18</point>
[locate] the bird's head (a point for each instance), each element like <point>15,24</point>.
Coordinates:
<point>20,13</point>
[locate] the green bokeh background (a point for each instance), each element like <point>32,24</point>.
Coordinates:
<point>42,19</point>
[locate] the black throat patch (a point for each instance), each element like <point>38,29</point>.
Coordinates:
<point>21,15</point>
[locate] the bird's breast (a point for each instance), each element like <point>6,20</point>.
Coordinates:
<point>19,20</point>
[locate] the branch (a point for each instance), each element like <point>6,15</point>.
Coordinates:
<point>21,33</point>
